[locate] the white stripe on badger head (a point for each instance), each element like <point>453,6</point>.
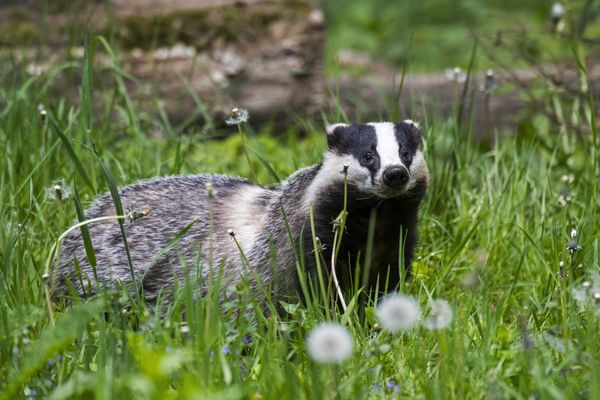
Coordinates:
<point>387,145</point>
<point>331,174</point>
<point>418,169</point>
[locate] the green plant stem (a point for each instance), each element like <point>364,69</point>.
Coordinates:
<point>245,150</point>
<point>56,254</point>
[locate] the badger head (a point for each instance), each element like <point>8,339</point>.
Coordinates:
<point>384,159</point>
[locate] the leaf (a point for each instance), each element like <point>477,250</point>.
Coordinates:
<point>54,339</point>
<point>71,152</point>
<point>114,192</point>
<point>266,164</point>
<point>75,387</point>
<point>19,319</point>
<point>172,243</point>
<point>370,315</point>
<point>85,232</point>
<point>290,308</point>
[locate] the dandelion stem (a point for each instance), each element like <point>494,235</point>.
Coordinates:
<point>245,150</point>
<point>318,259</point>
<point>48,282</point>
<point>563,300</point>
<point>339,227</point>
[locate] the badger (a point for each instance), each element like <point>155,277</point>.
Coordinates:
<point>211,223</point>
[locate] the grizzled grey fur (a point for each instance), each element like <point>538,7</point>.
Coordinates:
<point>386,172</point>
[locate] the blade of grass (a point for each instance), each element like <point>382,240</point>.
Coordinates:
<point>114,192</point>
<point>71,152</point>
<point>85,232</point>
<point>172,243</point>
<point>53,340</point>
<point>266,164</point>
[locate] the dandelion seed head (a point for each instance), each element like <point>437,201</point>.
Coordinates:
<point>456,75</point>
<point>561,269</point>
<point>42,111</point>
<point>184,329</point>
<point>586,285</point>
<point>34,69</point>
<point>489,83</point>
<point>440,316</point>
<point>397,313</point>
<point>573,246</point>
<point>385,347</point>
<point>580,293</point>
<point>329,343</point>
<point>237,116</point>
<point>471,280</point>
<point>58,190</point>
<point>557,11</point>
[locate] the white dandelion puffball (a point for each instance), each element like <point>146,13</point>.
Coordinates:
<point>398,312</point>
<point>58,190</point>
<point>237,116</point>
<point>557,10</point>
<point>440,315</point>
<point>329,343</point>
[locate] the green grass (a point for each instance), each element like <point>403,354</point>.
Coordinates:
<point>495,226</point>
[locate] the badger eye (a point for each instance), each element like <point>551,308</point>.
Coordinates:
<point>405,154</point>
<point>368,158</point>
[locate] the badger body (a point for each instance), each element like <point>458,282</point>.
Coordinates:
<point>247,231</point>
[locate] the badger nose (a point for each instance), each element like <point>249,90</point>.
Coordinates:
<point>395,177</point>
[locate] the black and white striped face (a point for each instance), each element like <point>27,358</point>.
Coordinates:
<point>384,159</point>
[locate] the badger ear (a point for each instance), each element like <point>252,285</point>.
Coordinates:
<point>413,128</point>
<point>333,133</point>
<point>332,128</point>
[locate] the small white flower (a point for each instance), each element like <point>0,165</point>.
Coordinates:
<point>329,343</point>
<point>237,116</point>
<point>58,190</point>
<point>440,315</point>
<point>398,312</point>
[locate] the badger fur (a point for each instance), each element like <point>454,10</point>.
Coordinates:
<point>386,171</point>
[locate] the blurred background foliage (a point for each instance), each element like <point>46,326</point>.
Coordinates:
<point>434,35</point>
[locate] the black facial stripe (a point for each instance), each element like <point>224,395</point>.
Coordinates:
<point>408,137</point>
<point>356,140</point>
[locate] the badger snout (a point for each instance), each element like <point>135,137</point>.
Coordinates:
<point>395,177</point>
